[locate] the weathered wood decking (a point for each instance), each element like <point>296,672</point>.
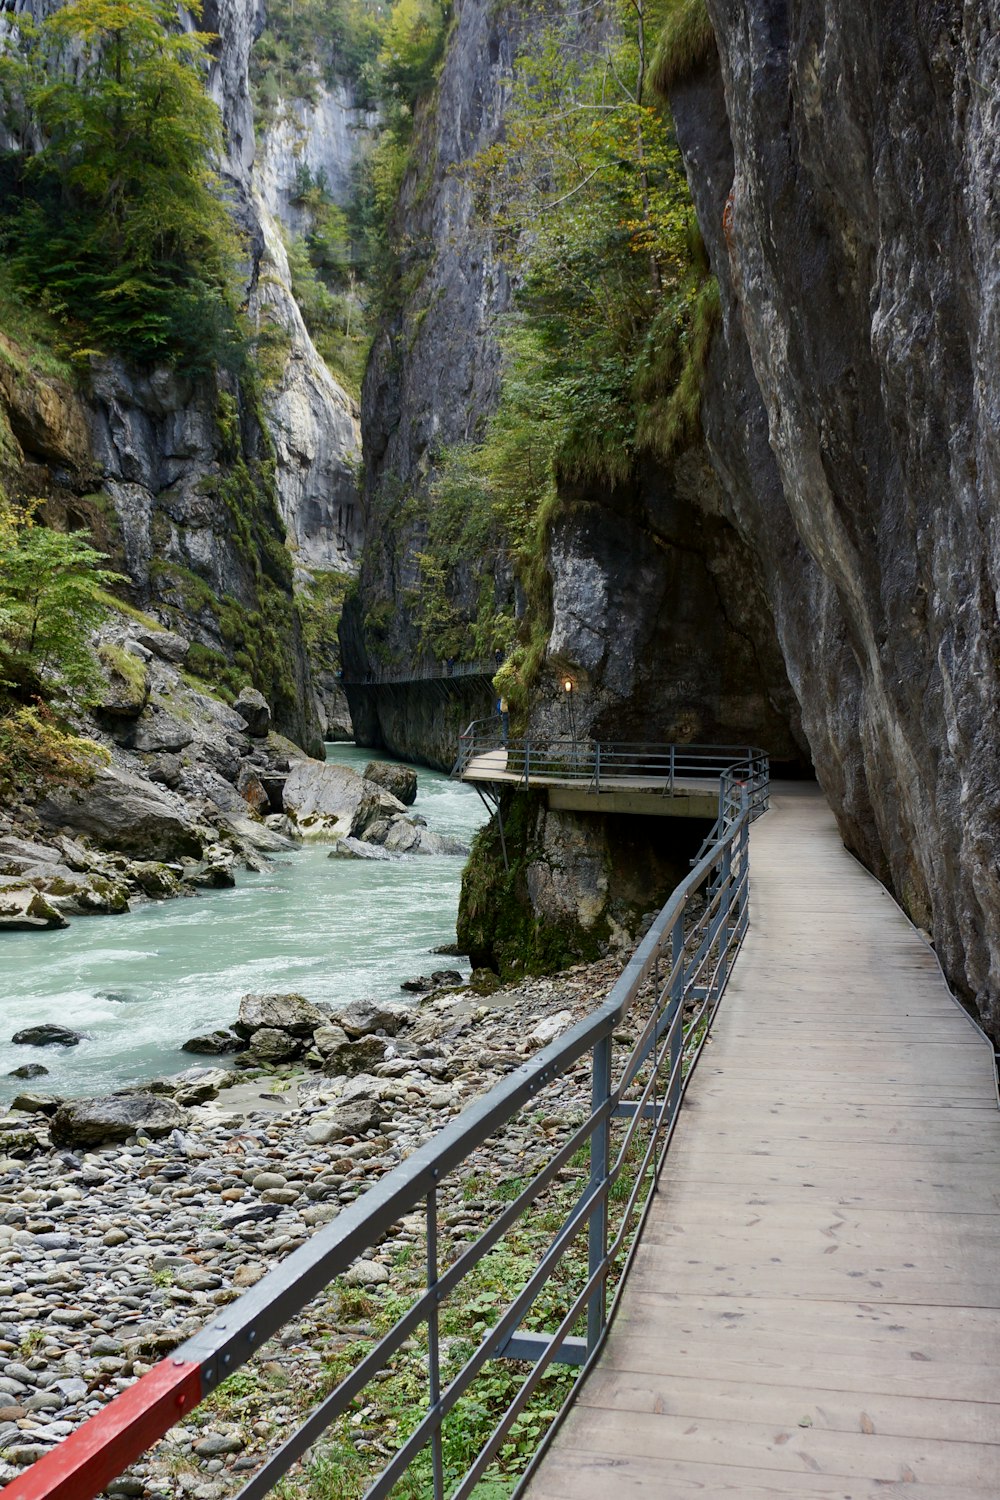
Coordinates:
<point>814,1310</point>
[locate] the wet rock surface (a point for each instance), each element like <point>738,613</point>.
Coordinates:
<point>111,1254</point>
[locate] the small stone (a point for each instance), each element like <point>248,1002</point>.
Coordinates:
<point>213,1444</point>
<point>115,1237</point>
<point>367,1273</point>
<point>265,1180</point>
<point>47,1036</point>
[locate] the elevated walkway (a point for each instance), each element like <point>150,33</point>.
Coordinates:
<point>814,1307</point>
<point>667,781</point>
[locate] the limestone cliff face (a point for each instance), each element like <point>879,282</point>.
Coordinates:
<point>434,369</point>
<point>313,423</point>
<point>844,163</point>
<point>196,486</point>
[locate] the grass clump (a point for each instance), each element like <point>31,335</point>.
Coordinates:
<point>686,43</point>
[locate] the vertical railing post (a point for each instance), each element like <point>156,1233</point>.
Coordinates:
<point>676,1004</point>
<point>433,1344</point>
<point>725,910</point>
<point>744,875</point>
<point>527,761</point>
<point>597,766</point>
<point>600,1157</point>
<point>673,764</point>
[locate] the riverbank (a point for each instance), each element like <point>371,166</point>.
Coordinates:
<point>110,1257</point>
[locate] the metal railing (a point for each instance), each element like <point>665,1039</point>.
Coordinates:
<point>606,766</point>
<point>642,1042</point>
<point>423,671</point>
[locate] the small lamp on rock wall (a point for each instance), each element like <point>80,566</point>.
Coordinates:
<point>568,689</point>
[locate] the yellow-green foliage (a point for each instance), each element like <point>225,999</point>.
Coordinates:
<point>128,669</point>
<point>669,379</point>
<point>35,748</point>
<point>686,43</point>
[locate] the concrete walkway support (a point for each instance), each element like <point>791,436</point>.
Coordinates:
<point>814,1310</point>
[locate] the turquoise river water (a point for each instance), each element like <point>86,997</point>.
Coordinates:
<point>138,985</point>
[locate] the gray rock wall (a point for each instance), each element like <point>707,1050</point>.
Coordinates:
<point>433,374</point>
<point>862,266</point>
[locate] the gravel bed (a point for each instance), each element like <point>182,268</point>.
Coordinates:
<point>110,1257</point>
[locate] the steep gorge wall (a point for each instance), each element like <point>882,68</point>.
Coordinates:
<point>195,486</point>
<point>844,165</point>
<point>433,374</point>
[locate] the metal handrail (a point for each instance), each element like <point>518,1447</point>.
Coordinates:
<point>677,973</point>
<point>613,764</point>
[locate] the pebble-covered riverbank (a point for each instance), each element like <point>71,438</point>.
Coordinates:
<point>110,1256</point>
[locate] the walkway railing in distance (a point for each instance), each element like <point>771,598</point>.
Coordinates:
<point>605,765</point>
<point>424,671</point>
<point>641,1044</point>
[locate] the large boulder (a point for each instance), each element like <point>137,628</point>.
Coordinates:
<point>268,1045</point>
<point>23,909</point>
<point>253,709</point>
<point>157,731</point>
<point>412,836</point>
<point>124,812</point>
<point>289,1013</point>
<point>214,1043</point>
<point>331,801</point>
<point>91,1122</point>
<point>354,1117</point>
<point>347,1058</point>
<point>166,644</point>
<point>400,780</point>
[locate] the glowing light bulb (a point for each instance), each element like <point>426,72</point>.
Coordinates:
<point>568,685</point>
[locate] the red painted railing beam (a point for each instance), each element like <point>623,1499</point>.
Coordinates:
<point>84,1463</point>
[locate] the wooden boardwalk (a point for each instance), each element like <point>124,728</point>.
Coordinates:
<point>814,1310</point>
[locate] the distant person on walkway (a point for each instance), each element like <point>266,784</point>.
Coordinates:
<point>498,657</point>
<point>504,712</point>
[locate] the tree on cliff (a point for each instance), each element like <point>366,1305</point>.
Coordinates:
<point>52,595</point>
<point>118,221</point>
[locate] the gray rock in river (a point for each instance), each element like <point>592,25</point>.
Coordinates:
<point>214,1043</point>
<point>23,909</point>
<point>28,1070</point>
<point>90,1122</point>
<point>47,1036</point>
<point>290,1013</point>
<point>349,848</point>
<point>401,781</point>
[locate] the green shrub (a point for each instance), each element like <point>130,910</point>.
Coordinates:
<point>35,748</point>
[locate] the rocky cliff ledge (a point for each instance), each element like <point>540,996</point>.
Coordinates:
<point>844,166</point>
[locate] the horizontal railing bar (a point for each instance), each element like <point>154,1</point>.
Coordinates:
<point>528,1345</point>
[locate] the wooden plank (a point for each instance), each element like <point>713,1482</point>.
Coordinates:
<point>790,1448</point>
<point>779,1405</point>
<point>586,1476</point>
